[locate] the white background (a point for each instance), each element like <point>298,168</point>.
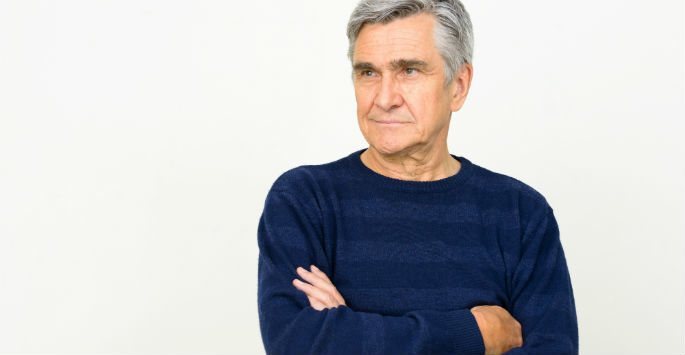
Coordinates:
<point>138,140</point>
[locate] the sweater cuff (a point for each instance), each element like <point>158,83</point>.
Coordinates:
<point>460,334</point>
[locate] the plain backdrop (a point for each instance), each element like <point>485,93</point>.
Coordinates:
<point>138,140</point>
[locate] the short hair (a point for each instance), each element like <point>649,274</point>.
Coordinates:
<point>453,30</point>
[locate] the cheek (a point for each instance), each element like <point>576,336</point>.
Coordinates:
<point>364,98</point>
<point>427,98</point>
<point>417,102</point>
<point>426,104</point>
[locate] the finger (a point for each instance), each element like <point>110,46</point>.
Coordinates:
<point>310,275</point>
<point>314,292</point>
<point>315,279</point>
<point>319,279</point>
<point>315,303</point>
<point>333,290</point>
<point>331,298</point>
<point>319,273</point>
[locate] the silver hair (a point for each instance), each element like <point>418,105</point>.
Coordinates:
<point>453,30</point>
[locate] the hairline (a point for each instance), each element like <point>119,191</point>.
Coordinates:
<point>446,23</point>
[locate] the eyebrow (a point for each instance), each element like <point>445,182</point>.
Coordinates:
<point>359,66</point>
<point>406,63</point>
<point>394,64</point>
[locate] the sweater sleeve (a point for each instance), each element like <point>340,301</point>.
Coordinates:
<point>290,234</point>
<point>542,296</point>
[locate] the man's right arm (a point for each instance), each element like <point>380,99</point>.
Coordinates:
<point>289,235</point>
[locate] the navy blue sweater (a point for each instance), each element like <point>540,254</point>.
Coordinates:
<point>410,258</point>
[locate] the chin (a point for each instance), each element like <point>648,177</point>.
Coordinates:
<point>388,148</point>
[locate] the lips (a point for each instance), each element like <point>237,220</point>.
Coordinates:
<point>390,122</point>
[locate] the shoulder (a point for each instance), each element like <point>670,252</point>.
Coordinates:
<point>304,179</point>
<point>493,181</point>
<point>530,208</point>
<point>295,179</point>
<point>305,190</point>
<point>308,184</point>
<point>524,198</point>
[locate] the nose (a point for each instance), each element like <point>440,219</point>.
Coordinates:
<point>388,96</point>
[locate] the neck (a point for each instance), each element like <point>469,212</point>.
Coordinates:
<point>419,165</point>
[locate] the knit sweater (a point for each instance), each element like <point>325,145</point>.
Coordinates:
<point>410,258</point>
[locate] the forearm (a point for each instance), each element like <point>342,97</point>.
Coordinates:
<point>290,325</point>
<point>290,235</point>
<point>289,328</point>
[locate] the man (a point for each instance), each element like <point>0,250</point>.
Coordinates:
<point>402,247</point>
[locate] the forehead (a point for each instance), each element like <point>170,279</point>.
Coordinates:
<point>409,37</point>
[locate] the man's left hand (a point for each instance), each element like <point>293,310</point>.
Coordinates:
<point>320,290</point>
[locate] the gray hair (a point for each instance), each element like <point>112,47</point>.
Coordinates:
<point>453,29</point>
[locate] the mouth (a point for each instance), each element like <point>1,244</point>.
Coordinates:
<point>390,122</point>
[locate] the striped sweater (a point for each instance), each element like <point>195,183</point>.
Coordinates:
<point>410,258</point>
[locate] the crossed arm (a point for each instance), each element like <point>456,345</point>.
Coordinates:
<point>500,331</point>
<point>311,317</point>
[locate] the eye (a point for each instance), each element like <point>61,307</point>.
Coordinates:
<point>366,73</point>
<point>410,71</point>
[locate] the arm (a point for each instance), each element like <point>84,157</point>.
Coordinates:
<point>290,234</point>
<point>542,296</point>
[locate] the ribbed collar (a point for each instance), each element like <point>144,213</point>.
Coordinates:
<point>448,183</point>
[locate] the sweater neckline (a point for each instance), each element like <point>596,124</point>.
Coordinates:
<point>380,180</point>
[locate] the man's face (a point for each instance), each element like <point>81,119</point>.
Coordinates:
<point>402,102</point>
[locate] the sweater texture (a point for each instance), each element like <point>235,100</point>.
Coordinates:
<point>410,258</point>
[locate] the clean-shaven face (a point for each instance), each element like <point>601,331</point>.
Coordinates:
<point>398,74</point>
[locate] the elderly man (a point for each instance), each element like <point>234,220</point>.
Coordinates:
<point>402,247</point>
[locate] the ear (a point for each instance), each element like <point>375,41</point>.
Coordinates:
<point>459,88</point>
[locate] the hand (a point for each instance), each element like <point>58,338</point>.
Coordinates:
<point>321,293</point>
<point>500,331</point>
